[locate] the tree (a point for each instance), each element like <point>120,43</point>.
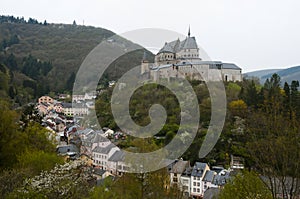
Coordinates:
<point>245,185</point>
<point>70,81</point>
<point>295,97</point>
<point>287,99</point>
<point>11,62</point>
<point>238,108</point>
<point>249,94</point>
<point>273,144</point>
<point>74,23</point>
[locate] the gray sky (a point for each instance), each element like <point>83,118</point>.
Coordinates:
<point>254,34</point>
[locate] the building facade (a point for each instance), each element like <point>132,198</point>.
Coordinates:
<point>182,59</point>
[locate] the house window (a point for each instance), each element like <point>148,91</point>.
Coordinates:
<point>194,190</point>
<point>198,178</point>
<point>194,183</point>
<point>194,178</point>
<point>198,190</point>
<point>198,184</point>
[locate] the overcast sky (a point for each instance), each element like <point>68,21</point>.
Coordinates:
<point>254,34</point>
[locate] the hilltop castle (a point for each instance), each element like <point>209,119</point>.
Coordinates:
<point>182,59</point>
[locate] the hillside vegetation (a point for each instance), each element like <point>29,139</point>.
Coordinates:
<point>47,56</point>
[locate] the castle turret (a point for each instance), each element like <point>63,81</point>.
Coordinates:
<point>145,64</point>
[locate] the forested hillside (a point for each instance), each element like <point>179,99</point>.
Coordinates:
<point>42,57</point>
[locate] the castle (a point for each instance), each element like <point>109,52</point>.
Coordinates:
<point>181,59</point>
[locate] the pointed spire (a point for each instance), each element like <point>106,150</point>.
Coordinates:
<point>189,33</point>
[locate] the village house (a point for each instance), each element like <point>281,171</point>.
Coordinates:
<point>102,154</point>
<point>195,181</point>
<point>197,185</point>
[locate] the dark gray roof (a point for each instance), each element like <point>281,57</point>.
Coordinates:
<point>104,150</point>
<point>211,193</point>
<point>187,172</point>
<point>212,65</point>
<point>217,169</point>
<point>221,179</point>
<point>179,166</point>
<point>189,43</point>
<point>209,176</point>
<point>84,131</point>
<point>177,45</point>
<point>67,148</point>
<point>98,171</point>
<point>230,66</point>
<point>99,138</point>
<point>198,169</point>
<point>117,156</point>
<point>66,105</point>
<point>169,47</point>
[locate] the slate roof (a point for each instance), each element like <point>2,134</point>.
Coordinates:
<point>67,148</point>
<point>212,65</point>
<point>230,66</point>
<point>104,150</point>
<point>211,193</point>
<point>84,132</point>
<point>209,176</point>
<point>98,171</point>
<point>187,172</point>
<point>177,45</point>
<point>66,105</point>
<point>221,178</point>
<point>99,138</point>
<point>179,166</point>
<point>198,169</point>
<point>169,47</point>
<point>117,156</point>
<point>190,43</point>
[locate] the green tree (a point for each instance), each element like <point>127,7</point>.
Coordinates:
<point>287,98</point>
<point>295,97</point>
<point>246,185</point>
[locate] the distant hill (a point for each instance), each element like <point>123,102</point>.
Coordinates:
<point>49,55</point>
<point>287,75</point>
<point>261,73</point>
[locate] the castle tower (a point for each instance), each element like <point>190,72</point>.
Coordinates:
<point>145,64</point>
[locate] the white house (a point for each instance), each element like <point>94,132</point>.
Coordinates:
<point>197,185</point>
<point>102,154</point>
